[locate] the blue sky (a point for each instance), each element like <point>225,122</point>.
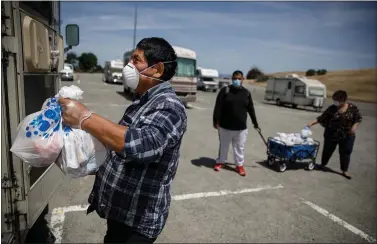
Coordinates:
<point>274,36</point>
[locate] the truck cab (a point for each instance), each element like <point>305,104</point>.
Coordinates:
<point>32,57</point>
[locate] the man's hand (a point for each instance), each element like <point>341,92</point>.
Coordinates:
<point>73,112</point>
<point>216,126</point>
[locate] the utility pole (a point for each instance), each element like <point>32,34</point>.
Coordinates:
<point>135,23</point>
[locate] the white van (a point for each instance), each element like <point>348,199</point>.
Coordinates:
<point>208,79</point>
<point>112,71</point>
<point>296,91</point>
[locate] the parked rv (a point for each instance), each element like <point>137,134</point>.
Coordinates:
<point>112,71</point>
<point>32,56</point>
<point>208,79</point>
<point>296,91</point>
<point>184,81</point>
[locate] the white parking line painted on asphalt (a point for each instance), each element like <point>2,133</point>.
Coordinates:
<point>58,214</point>
<point>223,193</point>
<point>341,222</point>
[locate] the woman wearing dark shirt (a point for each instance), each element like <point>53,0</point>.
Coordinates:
<point>340,121</point>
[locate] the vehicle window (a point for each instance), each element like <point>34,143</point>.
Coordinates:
<point>289,85</point>
<point>314,91</point>
<point>300,89</point>
<point>208,79</point>
<point>186,67</point>
<point>43,8</point>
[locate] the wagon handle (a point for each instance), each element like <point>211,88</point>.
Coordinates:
<point>260,133</point>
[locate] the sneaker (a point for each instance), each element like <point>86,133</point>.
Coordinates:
<point>218,166</point>
<point>240,170</point>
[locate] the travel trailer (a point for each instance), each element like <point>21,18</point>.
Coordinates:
<point>31,58</point>
<point>296,91</point>
<point>184,81</point>
<point>112,71</point>
<point>208,79</point>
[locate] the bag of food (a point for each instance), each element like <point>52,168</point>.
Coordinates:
<point>39,138</point>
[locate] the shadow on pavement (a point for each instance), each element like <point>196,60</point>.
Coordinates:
<point>328,170</point>
<point>210,162</point>
<point>40,232</point>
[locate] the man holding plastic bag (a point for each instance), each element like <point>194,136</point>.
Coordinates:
<point>42,140</point>
<point>132,187</point>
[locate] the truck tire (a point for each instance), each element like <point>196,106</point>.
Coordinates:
<point>294,105</point>
<point>214,90</point>
<point>278,102</point>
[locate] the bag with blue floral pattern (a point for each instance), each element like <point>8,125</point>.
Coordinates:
<point>39,139</point>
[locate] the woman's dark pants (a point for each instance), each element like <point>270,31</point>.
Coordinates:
<point>345,151</point>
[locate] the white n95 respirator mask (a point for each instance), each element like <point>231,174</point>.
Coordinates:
<point>131,75</point>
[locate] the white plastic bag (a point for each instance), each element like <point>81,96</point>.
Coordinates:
<point>305,133</point>
<point>39,138</point>
<point>82,154</point>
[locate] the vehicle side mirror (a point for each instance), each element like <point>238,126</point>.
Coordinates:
<point>72,36</point>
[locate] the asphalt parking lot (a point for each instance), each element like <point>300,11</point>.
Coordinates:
<point>265,206</point>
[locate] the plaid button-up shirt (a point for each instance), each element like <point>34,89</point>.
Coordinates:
<point>133,187</point>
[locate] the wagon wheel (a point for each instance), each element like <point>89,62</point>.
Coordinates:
<point>282,167</point>
<point>271,161</point>
<point>310,166</point>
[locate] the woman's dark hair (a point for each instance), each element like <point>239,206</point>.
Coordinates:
<point>157,50</point>
<point>340,96</point>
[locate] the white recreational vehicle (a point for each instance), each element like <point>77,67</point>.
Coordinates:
<point>184,81</point>
<point>112,71</point>
<point>296,91</point>
<point>208,79</point>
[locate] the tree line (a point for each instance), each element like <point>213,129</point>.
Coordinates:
<point>257,74</point>
<point>86,62</point>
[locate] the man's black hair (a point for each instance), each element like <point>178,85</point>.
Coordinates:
<point>237,72</point>
<point>157,50</point>
<point>340,96</point>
